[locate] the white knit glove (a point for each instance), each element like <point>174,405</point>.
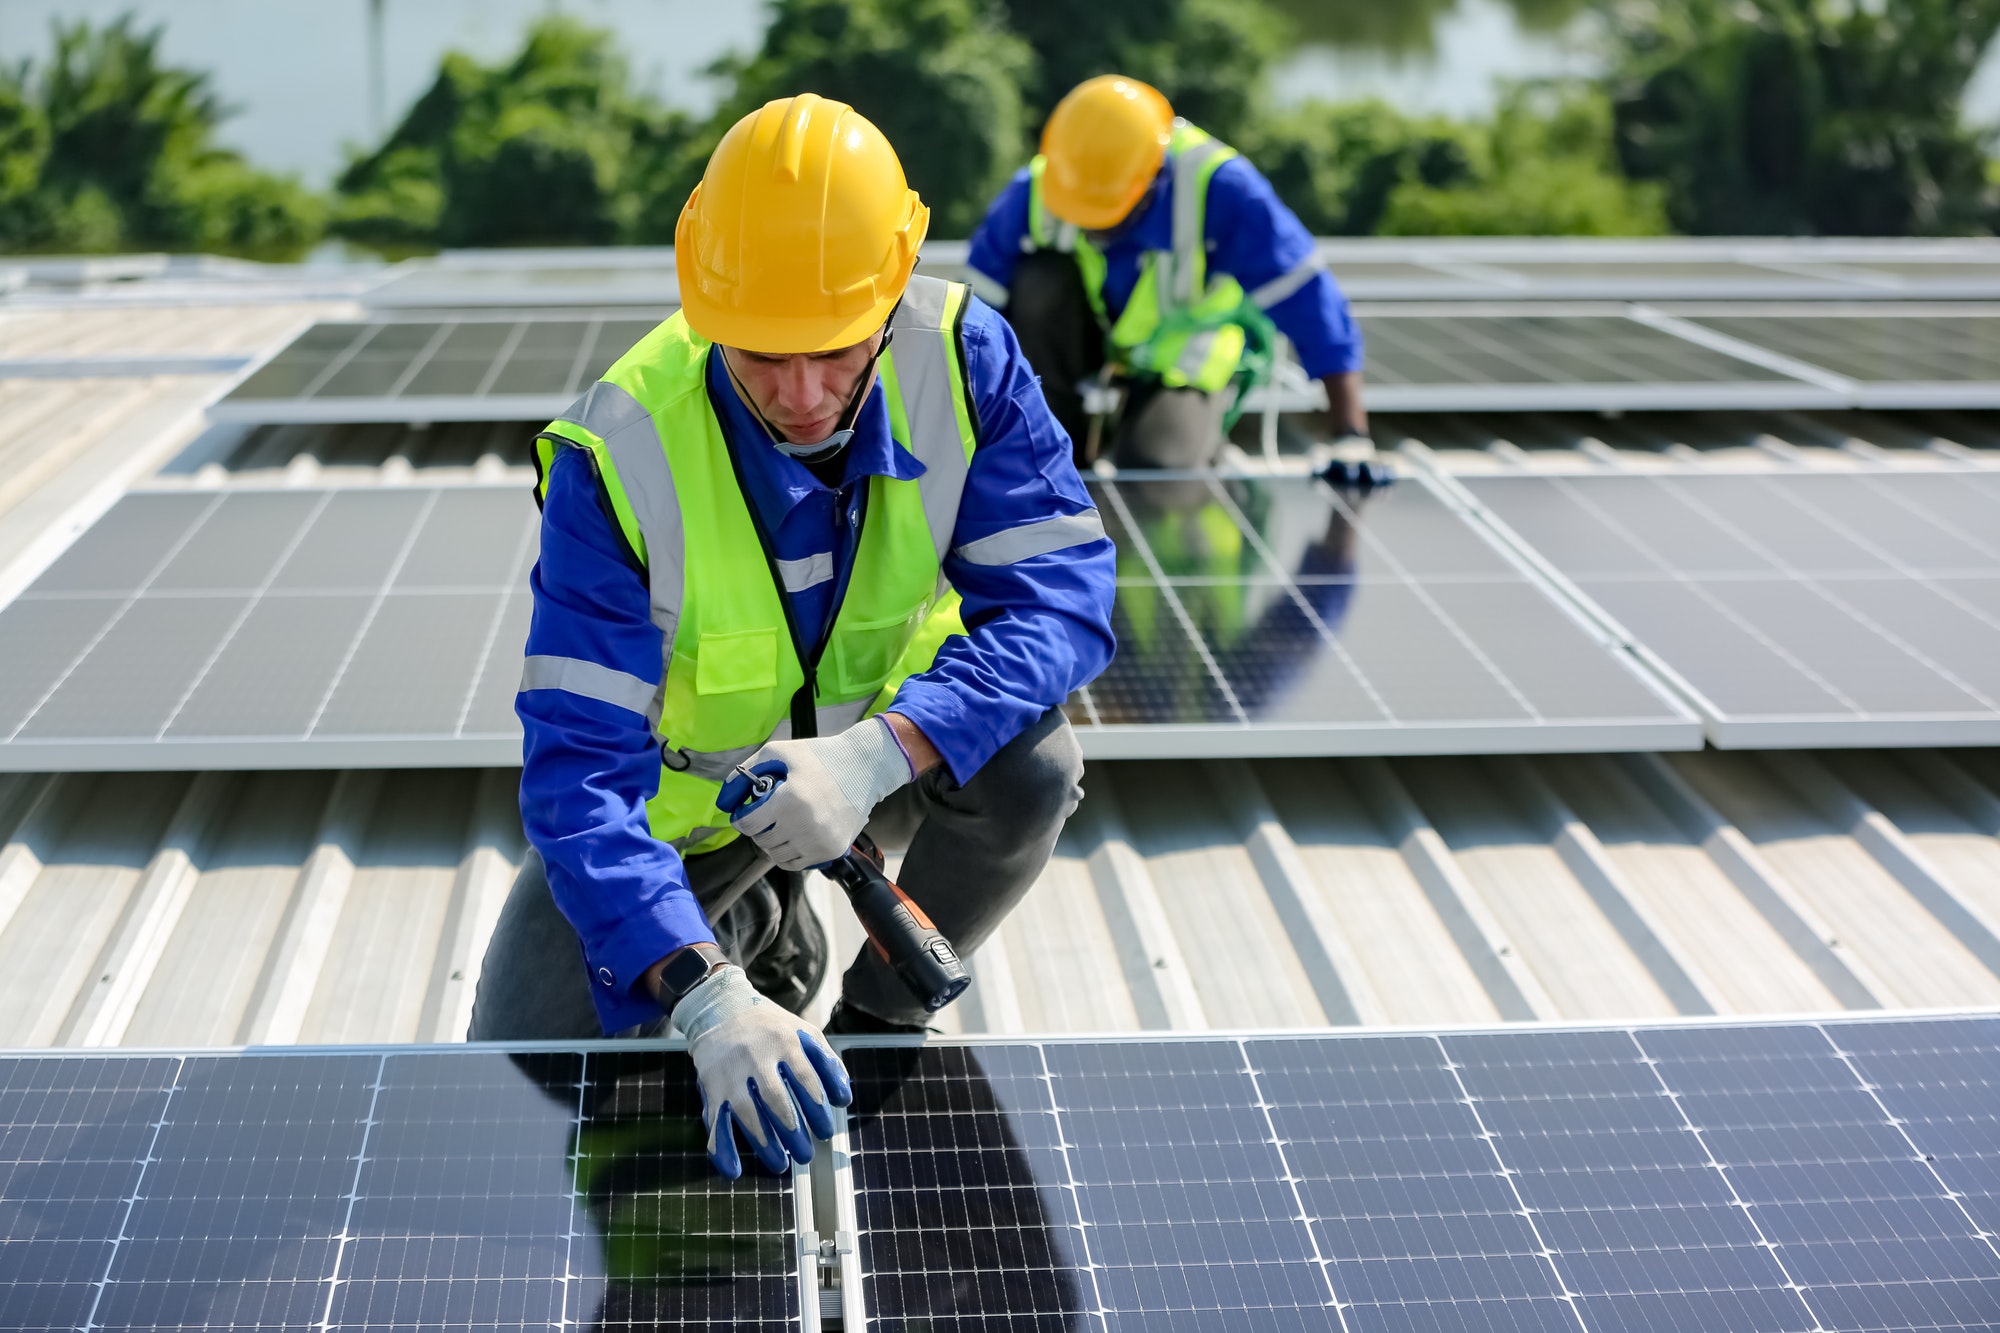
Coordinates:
<point>760,1068</point>
<point>831,784</point>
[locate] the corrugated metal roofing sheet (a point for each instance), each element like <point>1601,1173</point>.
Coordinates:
<point>213,909</point>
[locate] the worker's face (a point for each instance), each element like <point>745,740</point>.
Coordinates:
<point>803,395</point>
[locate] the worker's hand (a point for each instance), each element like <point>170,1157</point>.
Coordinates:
<point>761,1069</point>
<point>829,787</point>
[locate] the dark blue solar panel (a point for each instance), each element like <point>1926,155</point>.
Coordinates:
<point>1854,1214</point>
<point>242,1205</point>
<point>963,1197</point>
<point>1190,1220</point>
<point>1640,1226</point>
<point>468,1190</point>
<point>73,1134</point>
<point>1422,1229</point>
<point>1941,1078</point>
<point>445,1237</point>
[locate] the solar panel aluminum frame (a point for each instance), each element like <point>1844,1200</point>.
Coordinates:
<point>1883,395</point>
<point>1724,730</point>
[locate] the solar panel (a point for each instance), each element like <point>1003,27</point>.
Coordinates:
<point>1474,359</point>
<point>1792,609</point>
<point>473,367</point>
<point>383,625</point>
<point>1654,1178</point>
<point>1273,616</point>
<point>1940,357</point>
<point>275,628</point>
<point>1786,1176</point>
<point>437,1189</point>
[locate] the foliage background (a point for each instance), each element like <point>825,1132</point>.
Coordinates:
<point>1815,117</point>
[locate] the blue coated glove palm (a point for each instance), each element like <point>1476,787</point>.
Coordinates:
<point>762,1070</point>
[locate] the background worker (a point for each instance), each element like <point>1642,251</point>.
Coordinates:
<point>746,528</point>
<point>1138,239</point>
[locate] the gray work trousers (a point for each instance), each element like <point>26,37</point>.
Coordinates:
<point>1156,427</point>
<point>970,853</point>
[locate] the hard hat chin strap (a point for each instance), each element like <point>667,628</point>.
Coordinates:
<point>816,450</point>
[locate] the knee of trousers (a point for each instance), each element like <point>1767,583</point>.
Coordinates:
<point>1035,777</point>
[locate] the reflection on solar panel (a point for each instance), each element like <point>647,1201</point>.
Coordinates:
<point>441,1189</point>
<point>1781,1177</point>
<point>1939,359</point>
<point>275,628</point>
<point>1274,617</point>
<point>476,368</point>
<point>1853,609</point>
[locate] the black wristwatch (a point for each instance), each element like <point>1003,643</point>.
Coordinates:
<point>686,969</point>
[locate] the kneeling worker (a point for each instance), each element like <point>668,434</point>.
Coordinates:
<point>823,517</point>
<point>1138,240</point>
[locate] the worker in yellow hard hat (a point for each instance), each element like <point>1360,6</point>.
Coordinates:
<point>1144,266</point>
<point>818,526</point>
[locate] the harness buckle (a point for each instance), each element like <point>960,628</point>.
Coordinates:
<point>669,752</point>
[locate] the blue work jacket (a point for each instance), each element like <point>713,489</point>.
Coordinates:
<point>1250,235</point>
<point>1038,629</point>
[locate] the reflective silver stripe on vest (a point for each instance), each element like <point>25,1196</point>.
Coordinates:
<point>716,765</point>
<point>591,680</point>
<point>924,372</point>
<point>987,289</point>
<point>1033,539</point>
<point>809,572</point>
<point>1282,286</point>
<point>633,440</point>
<point>1188,240</point>
<point>1195,354</point>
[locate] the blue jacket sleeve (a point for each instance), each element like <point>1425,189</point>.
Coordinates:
<point>589,767</point>
<point>1038,628</point>
<point>996,246</point>
<point>1258,241</point>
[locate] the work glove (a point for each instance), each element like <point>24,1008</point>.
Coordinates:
<point>761,1069</point>
<point>827,790</point>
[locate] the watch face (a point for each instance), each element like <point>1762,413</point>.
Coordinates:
<point>687,969</point>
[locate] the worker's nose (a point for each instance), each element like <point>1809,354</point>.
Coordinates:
<point>801,386</point>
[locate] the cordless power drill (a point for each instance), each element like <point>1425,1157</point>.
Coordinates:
<point>897,928</point>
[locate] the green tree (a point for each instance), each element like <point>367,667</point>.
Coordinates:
<point>551,147</point>
<point>1208,56</point>
<point>108,148</point>
<point>941,78</point>
<point>1542,166</point>
<point>1830,117</point>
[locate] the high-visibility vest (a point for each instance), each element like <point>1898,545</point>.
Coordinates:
<point>732,673</point>
<point>1177,324</point>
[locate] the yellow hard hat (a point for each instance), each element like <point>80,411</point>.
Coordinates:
<point>1104,143</point>
<point>802,233</point>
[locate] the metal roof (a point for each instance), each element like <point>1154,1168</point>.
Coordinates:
<point>166,909</point>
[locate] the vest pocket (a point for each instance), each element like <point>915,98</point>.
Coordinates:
<point>733,663</point>
<point>865,652</point>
